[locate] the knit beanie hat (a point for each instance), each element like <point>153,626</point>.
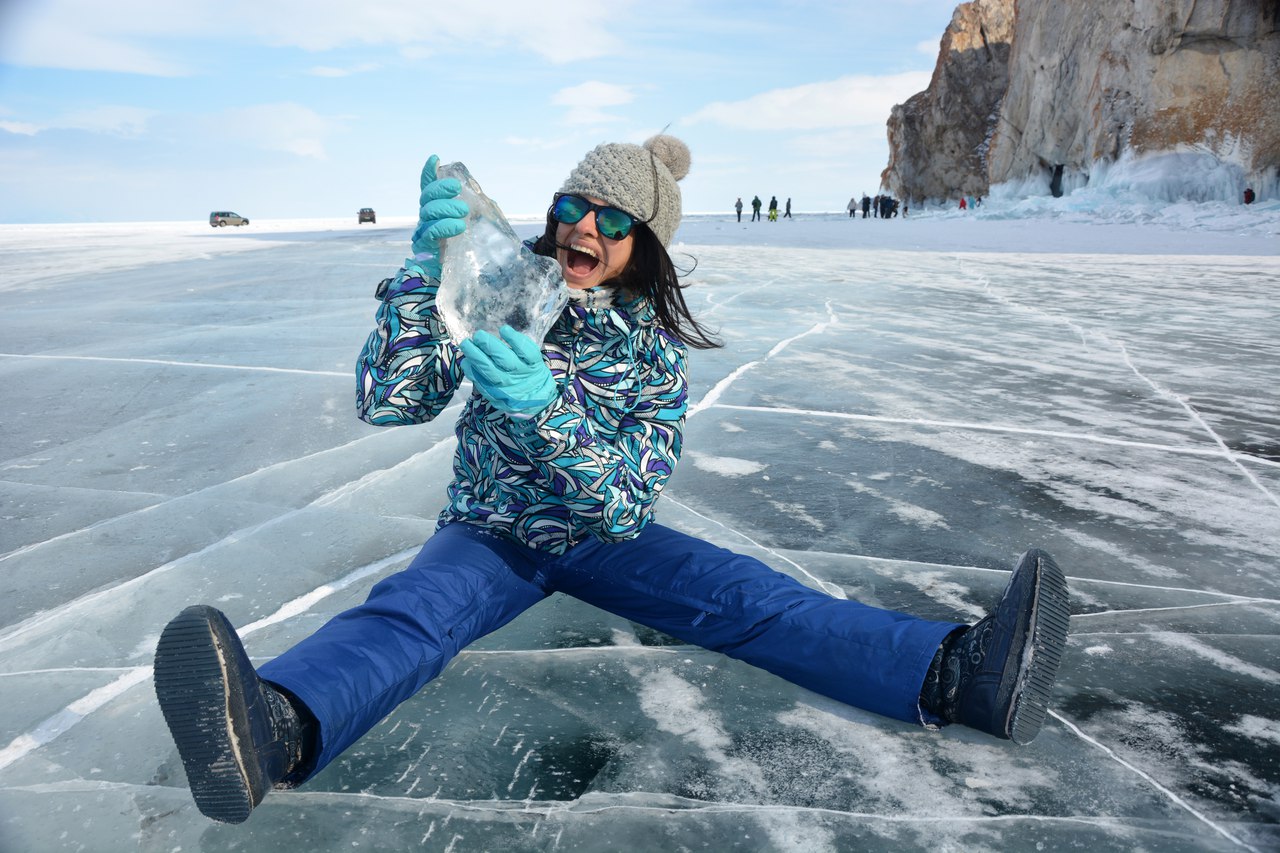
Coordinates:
<point>640,179</point>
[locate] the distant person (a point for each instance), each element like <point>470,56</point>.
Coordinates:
<point>963,204</point>
<point>866,205</point>
<point>787,215</point>
<point>773,208</point>
<point>738,207</point>
<point>1248,195</point>
<point>977,202</point>
<point>564,448</point>
<point>756,203</point>
<point>853,206</point>
<point>904,208</point>
<point>875,206</point>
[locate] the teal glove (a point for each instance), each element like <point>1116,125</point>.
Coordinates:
<point>513,376</point>
<point>441,215</point>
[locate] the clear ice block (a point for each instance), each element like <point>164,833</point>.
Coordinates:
<point>488,278</point>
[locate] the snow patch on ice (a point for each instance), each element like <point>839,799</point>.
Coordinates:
<point>725,466</point>
<point>1256,728</point>
<point>680,708</point>
<point>947,592</point>
<point>908,512</point>
<point>1220,658</point>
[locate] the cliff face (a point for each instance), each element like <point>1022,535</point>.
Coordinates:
<point>938,137</point>
<point>1091,80</point>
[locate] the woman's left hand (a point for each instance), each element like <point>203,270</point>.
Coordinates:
<point>509,372</point>
<point>441,215</point>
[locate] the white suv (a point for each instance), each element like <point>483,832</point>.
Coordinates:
<point>225,217</point>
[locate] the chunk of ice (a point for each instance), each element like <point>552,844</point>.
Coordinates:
<point>489,279</point>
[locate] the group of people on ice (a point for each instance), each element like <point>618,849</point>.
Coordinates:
<point>756,204</point>
<point>880,207</point>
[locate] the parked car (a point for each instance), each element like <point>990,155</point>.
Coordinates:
<point>366,214</point>
<point>225,217</point>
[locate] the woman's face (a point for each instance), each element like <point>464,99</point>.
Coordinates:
<point>591,258</point>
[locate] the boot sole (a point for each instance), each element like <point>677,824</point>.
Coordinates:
<point>1047,640</point>
<point>197,684</point>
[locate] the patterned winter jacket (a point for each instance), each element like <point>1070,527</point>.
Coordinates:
<point>593,463</point>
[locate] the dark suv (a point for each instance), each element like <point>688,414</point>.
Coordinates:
<point>366,214</point>
<point>225,217</point>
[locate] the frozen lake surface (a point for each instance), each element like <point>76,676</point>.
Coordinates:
<point>901,408</point>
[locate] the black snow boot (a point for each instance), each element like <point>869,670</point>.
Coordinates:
<point>237,735</point>
<point>996,676</point>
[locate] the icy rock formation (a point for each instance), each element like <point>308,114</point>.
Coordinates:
<point>488,279</point>
<point>937,138</point>
<point>1092,82</point>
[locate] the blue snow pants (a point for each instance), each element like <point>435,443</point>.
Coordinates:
<point>467,581</point>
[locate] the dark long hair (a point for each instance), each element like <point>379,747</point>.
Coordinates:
<point>651,274</point>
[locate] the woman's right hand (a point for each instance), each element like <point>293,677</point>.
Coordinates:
<point>441,214</point>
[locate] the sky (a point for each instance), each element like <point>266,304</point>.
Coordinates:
<point>150,110</point>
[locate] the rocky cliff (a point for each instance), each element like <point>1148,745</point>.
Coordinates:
<point>938,138</point>
<point>1087,83</point>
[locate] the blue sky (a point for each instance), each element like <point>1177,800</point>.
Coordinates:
<point>163,110</point>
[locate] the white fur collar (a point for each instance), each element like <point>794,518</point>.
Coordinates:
<point>594,298</point>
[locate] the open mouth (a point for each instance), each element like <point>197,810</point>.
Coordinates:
<point>581,261</point>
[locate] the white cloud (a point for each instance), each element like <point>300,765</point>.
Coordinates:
<point>326,24</point>
<point>82,35</point>
<point>21,128</point>
<point>287,127</point>
<point>111,120</point>
<point>116,121</point>
<point>929,47</point>
<point>539,143</point>
<point>133,36</point>
<point>44,47</point>
<point>819,150</point>
<point>588,102</point>
<point>331,71</point>
<point>847,102</point>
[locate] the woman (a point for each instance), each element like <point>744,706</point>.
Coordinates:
<point>563,451</point>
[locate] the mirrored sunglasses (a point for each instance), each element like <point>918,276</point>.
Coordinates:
<point>613,223</point>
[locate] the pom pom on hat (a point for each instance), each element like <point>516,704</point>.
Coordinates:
<point>638,179</point>
<point>673,153</point>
